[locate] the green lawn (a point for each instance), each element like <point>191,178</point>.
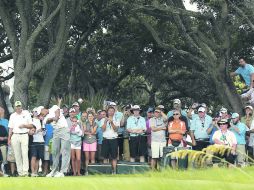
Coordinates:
<point>219,178</point>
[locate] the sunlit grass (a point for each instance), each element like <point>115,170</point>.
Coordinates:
<point>215,178</point>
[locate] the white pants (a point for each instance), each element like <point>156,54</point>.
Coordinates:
<point>20,147</point>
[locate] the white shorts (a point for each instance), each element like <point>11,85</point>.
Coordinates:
<point>46,153</point>
<point>73,146</point>
<point>157,149</point>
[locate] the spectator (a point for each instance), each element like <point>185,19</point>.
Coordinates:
<point>3,142</point>
<point>90,141</point>
<point>213,127</point>
<point>158,136</point>
<point>76,106</point>
<point>109,143</point>
<point>136,126</point>
<point>226,138</point>
<point>149,115</point>
<point>3,147</point>
<point>99,132</point>
<point>120,117</point>
<point>239,129</point>
<point>19,125</point>
<point>176,130</point>
<point>246,71</point>
<point>177,106</point>
<point>61,139</point>
<point>37,147</point>
<point>199,130</point>
<point>75,139</point>
<point>126,147</point>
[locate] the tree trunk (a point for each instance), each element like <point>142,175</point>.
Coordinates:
<point>48,81</point>
<point>227,92</point>
<point>21,84</point>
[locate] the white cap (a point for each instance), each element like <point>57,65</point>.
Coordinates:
<point>136,107</point>
<point>250,107</point>
<point>38,110</point>
<point>72,110</point>
<point>223,110</point>
<point>177,101</point>
<point>235,115</point>
<point>112,104</point>
<point>161,107</point>
<point>201,109</point>
<point>75,104</point>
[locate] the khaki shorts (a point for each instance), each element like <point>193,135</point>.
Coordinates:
<point>157,149</point>
<point>46,153</point>
<point>10,155</point>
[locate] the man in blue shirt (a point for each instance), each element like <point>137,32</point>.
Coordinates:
<point>199,130</point>
<point>239,129</point>
<point>246,71</point>
<point>136,126</point>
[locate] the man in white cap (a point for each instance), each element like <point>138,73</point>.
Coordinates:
<point>76,106</point>
<point>120,118</point>
<point>136,126</point>
<point>19,124</point>
<point>199,130</point>
<point>61,139</point>
<point>248,116</point>
<point>239,129</point>
<point>177,106</point>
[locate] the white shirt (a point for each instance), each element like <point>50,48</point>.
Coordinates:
<point>38,136</point>
<point>24,118</point>
<point>227,138</point>
<point>110,132</point>
<point>61,123</point>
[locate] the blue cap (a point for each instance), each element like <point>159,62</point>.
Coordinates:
<point>150,110</point>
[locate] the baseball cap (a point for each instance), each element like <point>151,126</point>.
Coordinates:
<point>223,110</point>
<point>18,103</point>
<point>235,115</point>
<point>75,104</point>
<point>201,109</point>
<point>149,110</point>
<point>72,110</point>
<point>38,109</point>
<point>112,104</point>
<point>177,101</point>
<point>161,107</point>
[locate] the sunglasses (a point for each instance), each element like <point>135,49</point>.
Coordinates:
<point>176,114</point>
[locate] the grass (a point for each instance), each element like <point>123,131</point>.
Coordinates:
<point>203,179</point>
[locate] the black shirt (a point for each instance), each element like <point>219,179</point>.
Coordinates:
<point>3,133</point>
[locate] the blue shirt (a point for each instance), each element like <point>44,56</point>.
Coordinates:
<point>99,131</point>
<point>136,123</point>
<point>240,137</point>
<point>4,122</point>
<point>118,117</point>
<point>200,127</point>
<point>49,133</point>
<point>170,113</point>
<point>246,72</point>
